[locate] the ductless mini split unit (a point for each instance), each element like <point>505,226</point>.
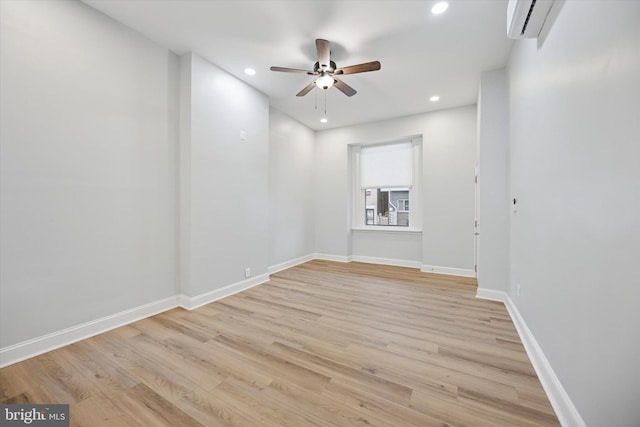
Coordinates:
<point>525,18</point>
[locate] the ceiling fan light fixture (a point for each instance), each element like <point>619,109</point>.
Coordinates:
<point>439,7</point>
<point>325,81</point>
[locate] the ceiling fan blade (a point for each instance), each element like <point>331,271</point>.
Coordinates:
<point>307,89</point>
<point>324,53</point>
<point>292,70</point>
<point>360,68</point>
<point>344,88</point>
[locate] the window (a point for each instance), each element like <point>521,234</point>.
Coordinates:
<point>386,181</point>
<point>382,206</point>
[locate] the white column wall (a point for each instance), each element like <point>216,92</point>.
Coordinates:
<point>574,169</point>
<point>88,131</point>
<point>224,179</point>
<point>291,188</point>
<point>493,194</point>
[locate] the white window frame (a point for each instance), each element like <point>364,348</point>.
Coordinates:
<point>415,191</point>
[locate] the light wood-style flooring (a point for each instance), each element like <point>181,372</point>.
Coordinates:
<point>320,344</point>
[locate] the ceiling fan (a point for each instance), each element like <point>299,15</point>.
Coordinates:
<point>327,71</point>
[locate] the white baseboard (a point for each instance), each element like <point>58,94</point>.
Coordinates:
<point>36,346</point>
<point>337,258</point>
<point>396,262</point>
<point>464,272</point>
<point>33,347</point>
<point>291,263</point>
<point>191,303</point>
<point>492,295</point>
<point>386,261</point>
<point>564,408</point>
<point>373,260</point>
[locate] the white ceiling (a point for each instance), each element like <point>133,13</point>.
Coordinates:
<point>421,54</point>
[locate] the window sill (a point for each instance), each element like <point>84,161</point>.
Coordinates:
<point>392,229</point>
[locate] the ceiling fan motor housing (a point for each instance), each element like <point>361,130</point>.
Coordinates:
<point>318,69</point>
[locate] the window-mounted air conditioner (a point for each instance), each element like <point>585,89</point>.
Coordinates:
<point>525,18</point>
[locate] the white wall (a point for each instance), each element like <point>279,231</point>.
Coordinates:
<point>87,191</point>
<point>448,203</point>
<point>224,223</point>
<point>333,235</point>
<point>449,157</point>
<point>493,195</point>
<point>575,171</point>
<point>387,247</point>
<point>291,171</point>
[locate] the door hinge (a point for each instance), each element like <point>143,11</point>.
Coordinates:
<point>475,268</point>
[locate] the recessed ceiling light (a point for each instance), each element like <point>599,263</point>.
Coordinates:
<point>434,98</point>
<point>250,71</point>
<point>439,7</point>
<point>323,120</point>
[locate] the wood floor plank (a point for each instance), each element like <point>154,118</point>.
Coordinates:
<point>374,407</point>
<point>100,412</point>
<point>282,367</point>
<point>149,408</point>
<point>315,406</point>
<point>217,408</point>
<point>320,344</point>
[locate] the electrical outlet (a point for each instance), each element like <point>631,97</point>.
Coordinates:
<point>247,272</point>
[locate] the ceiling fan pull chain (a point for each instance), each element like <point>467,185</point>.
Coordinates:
<point>325,103</point>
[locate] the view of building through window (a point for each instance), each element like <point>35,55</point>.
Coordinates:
<point>386,183</point>
<point>387,206</point>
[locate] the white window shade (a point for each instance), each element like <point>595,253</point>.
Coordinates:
<point>386,166</point>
